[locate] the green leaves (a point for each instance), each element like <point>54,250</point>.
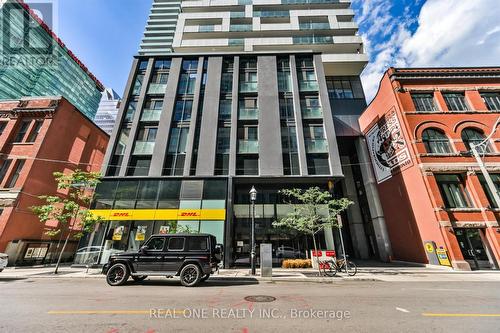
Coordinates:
<point>312,210</point>
<point>66,209</point>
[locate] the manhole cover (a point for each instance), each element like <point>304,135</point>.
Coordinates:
<point>260,299</point>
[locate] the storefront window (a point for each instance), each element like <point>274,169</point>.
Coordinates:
<point>215,228</point>
<point>140,232</point>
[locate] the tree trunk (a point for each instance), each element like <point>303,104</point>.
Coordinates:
<point>62,252</point>
<point>316,250</point>
<point>66,241</point>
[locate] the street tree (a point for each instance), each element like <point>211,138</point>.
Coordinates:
<point>311,211</point>
<point>70,210</point>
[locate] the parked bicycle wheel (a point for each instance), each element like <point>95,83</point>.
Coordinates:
<point>351,268</point>
<point>329,269</point>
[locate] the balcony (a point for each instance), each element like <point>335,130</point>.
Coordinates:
<point>272,13</point>
<point>248,147</point>
<point>240,27</point>
<point>318,146</point>
<point>314,26</point>
<point>151,115</point>
<point>312,113</point>
<point>144,147</point>
<point>157,88</point>
<point>308,86</point>
<point>248,114</point>
<point>313,40</point>
<point>248,87</point>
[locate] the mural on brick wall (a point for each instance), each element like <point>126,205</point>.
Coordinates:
<point>388,148</point>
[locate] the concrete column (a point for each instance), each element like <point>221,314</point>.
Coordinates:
<point>113,140</point>
<point>137,119</point>
<point>208,134</point>
<point>169,100</point>
<point>331,136</point>
<point>301,147</point>
<point>376,212</point>
<point>233,144</point>
<point>194,116</point>
<point>270,150</point>
<point>356,226</point>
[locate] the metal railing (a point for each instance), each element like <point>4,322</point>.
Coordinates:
<point>144,147</point>
<point>316,146</point>
<point>248,146</point>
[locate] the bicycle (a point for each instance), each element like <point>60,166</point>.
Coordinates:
<point>332,266</point>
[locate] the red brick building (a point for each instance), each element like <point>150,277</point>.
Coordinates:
<point>39,136</point>
<point>419,129</point>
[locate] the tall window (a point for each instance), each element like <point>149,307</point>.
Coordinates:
<point>15,174</point>
<point>424,102</point>
<point>290,151</point>
<point>474,136</point>
<point>453,191</point>
<point>176,152</point>
<point>23,129</point>
<point>284,75</point>
<point>4,168</point>
<point>455,101</point>
<point>436,142</point>
<point>3,124</point>
<point>35,131</point>
<point>496,181</point>
<point>492,100</point>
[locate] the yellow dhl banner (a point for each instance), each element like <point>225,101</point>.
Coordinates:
<point>160,214</point>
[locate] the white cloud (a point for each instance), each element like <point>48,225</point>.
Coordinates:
<point>449,33</point>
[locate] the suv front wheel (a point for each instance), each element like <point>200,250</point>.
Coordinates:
<point>117,275</point>
<point>190,275</point>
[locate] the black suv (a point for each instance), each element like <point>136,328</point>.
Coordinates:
<point>192,257</point>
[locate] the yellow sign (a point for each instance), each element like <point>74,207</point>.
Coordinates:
<point>141,233</point>
<point>429,247</point>
<point>160,214</point>
<point>443,258</point>
<point>118,233</point>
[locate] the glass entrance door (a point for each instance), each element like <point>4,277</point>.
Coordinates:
<point>472,248</point>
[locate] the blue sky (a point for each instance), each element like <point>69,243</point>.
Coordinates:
<point>105,34</point>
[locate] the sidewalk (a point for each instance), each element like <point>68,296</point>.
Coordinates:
<point>399,272</point>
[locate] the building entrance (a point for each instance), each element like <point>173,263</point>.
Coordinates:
<point>473,249</point>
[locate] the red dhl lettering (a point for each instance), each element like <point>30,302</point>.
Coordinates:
<point>120,214</point>
<point>184,214</point>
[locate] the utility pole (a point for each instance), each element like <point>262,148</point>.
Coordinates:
<point>482,167</point>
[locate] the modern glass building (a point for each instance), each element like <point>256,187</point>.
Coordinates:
<point>108,109</point>
<point>252,94</point>
<point>35,62</point>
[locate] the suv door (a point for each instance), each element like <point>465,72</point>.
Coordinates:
<point>152,259</point>
<point>174,255</point>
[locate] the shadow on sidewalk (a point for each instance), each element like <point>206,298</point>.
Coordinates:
<point>211,282</point>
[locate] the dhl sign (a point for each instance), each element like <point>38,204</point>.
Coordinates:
<point>160,214</point>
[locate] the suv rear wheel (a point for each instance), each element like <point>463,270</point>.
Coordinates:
<point>190,275</point>
<point>117,275</point>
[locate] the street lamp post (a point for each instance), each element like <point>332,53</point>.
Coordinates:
<point>253,198</point>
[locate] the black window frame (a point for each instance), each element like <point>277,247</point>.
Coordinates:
<point>153,239</point>
<point>460,180</point>
<point>424,102</point>
<point>176,250</point>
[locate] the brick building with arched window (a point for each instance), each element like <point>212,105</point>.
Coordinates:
<point>419,130</point>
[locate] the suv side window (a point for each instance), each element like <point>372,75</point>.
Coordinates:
<point>197,244</point>
<point>176,244</point>
<point>156,244</point>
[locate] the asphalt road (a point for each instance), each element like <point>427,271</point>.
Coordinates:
<point>161,305</point>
